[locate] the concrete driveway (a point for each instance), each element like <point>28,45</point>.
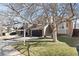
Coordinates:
<point>7,50</point>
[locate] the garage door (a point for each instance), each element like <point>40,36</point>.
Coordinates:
<point>37,33</point>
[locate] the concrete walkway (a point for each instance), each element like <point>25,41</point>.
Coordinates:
<point>7,50</point>
<point>25,38</point>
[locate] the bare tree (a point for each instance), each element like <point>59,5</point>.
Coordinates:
<point>59,13</point>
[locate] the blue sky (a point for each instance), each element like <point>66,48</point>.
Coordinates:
<point>3,8</point>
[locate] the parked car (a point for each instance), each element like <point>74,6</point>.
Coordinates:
<point>13,33</point>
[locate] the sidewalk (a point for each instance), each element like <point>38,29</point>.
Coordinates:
<point>9,51</point>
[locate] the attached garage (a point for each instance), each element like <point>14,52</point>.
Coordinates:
<point>37,33</point>
<point>21,33</point>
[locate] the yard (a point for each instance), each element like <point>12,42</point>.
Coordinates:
<point>64,47</point>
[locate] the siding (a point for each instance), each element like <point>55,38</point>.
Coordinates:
<point>62,29</point>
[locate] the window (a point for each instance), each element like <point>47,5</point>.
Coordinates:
<point>62,27</point>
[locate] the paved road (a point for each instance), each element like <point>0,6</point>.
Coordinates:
<point>7,50</point>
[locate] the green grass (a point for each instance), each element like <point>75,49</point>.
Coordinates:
<point>63,48</point>
<point>67,40</point>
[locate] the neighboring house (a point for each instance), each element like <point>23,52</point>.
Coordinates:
<point>38,28</point>
<point>32,30</point>
<point>66,28</point>
<point>4,30</point>
<point>63,28</point>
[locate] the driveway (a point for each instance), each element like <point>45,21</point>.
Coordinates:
<point>7,50</point>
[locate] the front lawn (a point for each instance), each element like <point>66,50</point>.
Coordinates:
<point>67,40</point>
<point>47,49</point>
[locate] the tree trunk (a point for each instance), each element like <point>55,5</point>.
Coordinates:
<point>54,33</point>
<point>54,29</point>
<point>24,32</point>
<point>44,31</point>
